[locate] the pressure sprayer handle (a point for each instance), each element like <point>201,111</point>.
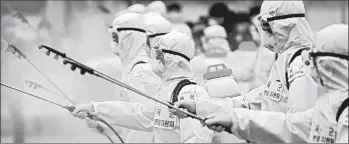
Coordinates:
<point>99,127</point>
<point>226,129</point>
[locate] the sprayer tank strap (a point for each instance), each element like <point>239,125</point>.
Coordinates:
<point>294,56</point>
<point>178,88</point>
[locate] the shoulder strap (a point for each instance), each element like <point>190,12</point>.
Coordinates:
<point>178,88</point>
<point>140,62</point>
<point>295,55</point>
<point>342,108</point>
<point>276,56</point>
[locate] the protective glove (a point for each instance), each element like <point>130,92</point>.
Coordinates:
<point>217,121</point>
<point>186,105</point>
<point>81,110</point>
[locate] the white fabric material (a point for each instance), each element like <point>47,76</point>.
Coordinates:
<point>174,65</point>
<point>275,123</point>
<point>223,87</point>
<point>262,67</point>
<point>287,33</point>
<point>317,124</point>
<point>296,34</point>
<point>157,6</point>
<point>342,128</point>
<point>131,51</point>
<point>215,36</point>
<point>145,117</point>
<point>241,61</point>
<point>155,24</point>
<point>182,27</point>
<point>215,30</point>
<point>334,73</point>
<point>201,62</point>
<point>137,8</point>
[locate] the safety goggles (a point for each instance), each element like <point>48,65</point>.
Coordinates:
<point>313,56</point>
<point>265,21</point>
<point>160,53</point>
<point>153,36</point>
<point>114,30</point>
<point>156,35</point>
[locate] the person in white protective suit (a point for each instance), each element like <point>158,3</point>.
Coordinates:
<point>170,62</point>
<point>212,73</point>
<point>287,89</point>
<point>220,84</point>
<point>264,61</point>
<point>215,47</point>
<point>157,6</point>
<point>129,42</point>
<point>326,122</point>
<point>156,26</point>
<point>174,12</point>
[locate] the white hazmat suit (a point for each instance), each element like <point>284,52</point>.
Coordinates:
<point>216,48</point>
<point>156,26</point>
<point>157,6</point>
<point>177,50</point>
<point>130,46</point>
<point>318,124</point>
<point>137,8</point>
<point>281,95</point>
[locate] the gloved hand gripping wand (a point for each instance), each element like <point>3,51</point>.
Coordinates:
<point>86,69</point>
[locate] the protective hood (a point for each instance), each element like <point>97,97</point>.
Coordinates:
<point>287,26</point>
<point>136,8</point>
<point>182,27</point>
<point>333,71</point>
<point>156,26</point>
<point>130,30</point>
<point>215,37</point>
<point>157,6</point>
<point>175,65</point>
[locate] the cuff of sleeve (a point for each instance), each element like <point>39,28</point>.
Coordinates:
<point>94,108</point>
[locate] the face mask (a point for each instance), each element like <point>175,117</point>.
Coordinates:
<point>265,32</point>
<point>114,48</point>
<point>157,66</point>
<point>152,41</point>
<point>114,45</point>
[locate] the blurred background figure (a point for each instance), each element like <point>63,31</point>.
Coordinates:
<point>137,8</point>
<point>174,15</point>
<point>80,29</point>
<point>157,6</point>
<point>215,49</point>
<point>265,58</point>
